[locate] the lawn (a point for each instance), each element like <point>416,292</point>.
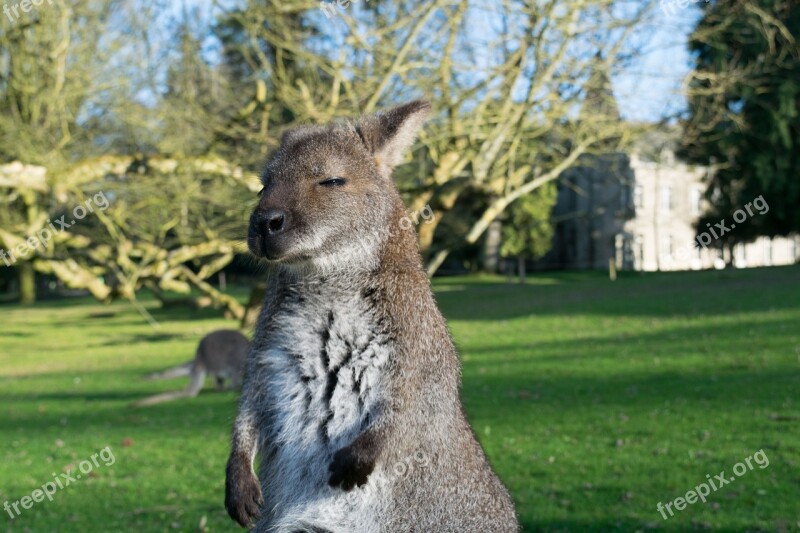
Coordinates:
<point>595,401</point>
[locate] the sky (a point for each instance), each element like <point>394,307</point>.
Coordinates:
<point>652,89</point>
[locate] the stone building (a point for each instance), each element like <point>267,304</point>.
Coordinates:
<point>640,211</point>
<point>642,214</point>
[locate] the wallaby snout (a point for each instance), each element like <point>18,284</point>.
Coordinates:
<point>265,235</point>
<point>273,221</point>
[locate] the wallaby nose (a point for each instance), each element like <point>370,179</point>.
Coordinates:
<point>272,221</point>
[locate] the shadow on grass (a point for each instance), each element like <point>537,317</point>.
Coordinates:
<point>671,343</point>
<point>655,295</point>
<point>86,397</point>
<point>766,390</point>
<point>184,314</point>
<point>139,338</point>
<point>79,412</point>
<point>600,371</point>
<point>618,525</point>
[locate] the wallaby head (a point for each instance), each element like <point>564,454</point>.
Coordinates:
<point>327,190</point>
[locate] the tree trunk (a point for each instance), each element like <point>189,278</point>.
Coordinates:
<point>426,231</point>
<point>27,283</point>
<point>427,227</point>
<point>729,254</point>
<point>521,269</point>
<point>491,247</point>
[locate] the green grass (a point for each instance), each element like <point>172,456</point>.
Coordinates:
<point>594,400</point>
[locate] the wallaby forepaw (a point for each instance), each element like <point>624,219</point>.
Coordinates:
<point>349,468</point>
<point>243,498</point>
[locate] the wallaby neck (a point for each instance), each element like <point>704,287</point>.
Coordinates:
<point>400,249</point>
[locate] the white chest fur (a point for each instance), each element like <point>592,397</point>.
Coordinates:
<point>326,364</point>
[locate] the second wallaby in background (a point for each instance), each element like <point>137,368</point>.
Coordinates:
<point>352,376</point>
<point>221,354</point>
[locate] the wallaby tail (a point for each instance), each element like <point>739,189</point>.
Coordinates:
<point>176,372</point>
<point>198,377</point>
<point>163,397</point>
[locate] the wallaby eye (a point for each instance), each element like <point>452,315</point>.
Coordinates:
<point>333,182</point>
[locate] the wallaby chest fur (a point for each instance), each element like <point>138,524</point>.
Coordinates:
<point>325,365</point>
<point>351,392</point>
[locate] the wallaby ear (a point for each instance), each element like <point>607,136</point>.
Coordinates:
<point>389,134</point>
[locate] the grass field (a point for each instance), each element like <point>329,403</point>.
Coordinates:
<point>594,400</point>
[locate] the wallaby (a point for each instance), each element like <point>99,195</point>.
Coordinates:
<point>352,376</point>
<point>221,353</point>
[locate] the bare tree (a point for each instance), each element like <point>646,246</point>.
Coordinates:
<point>506,78</point>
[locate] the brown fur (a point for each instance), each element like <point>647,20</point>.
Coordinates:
<point>346,264</point>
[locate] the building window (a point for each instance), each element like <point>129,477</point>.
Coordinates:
<point>666,198</point>
<point>666,246</point>
<point>638,244</point>
<point>740,255</point>
<point>767,251</point>
<point>696,201</point>
<point>638,197</point>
